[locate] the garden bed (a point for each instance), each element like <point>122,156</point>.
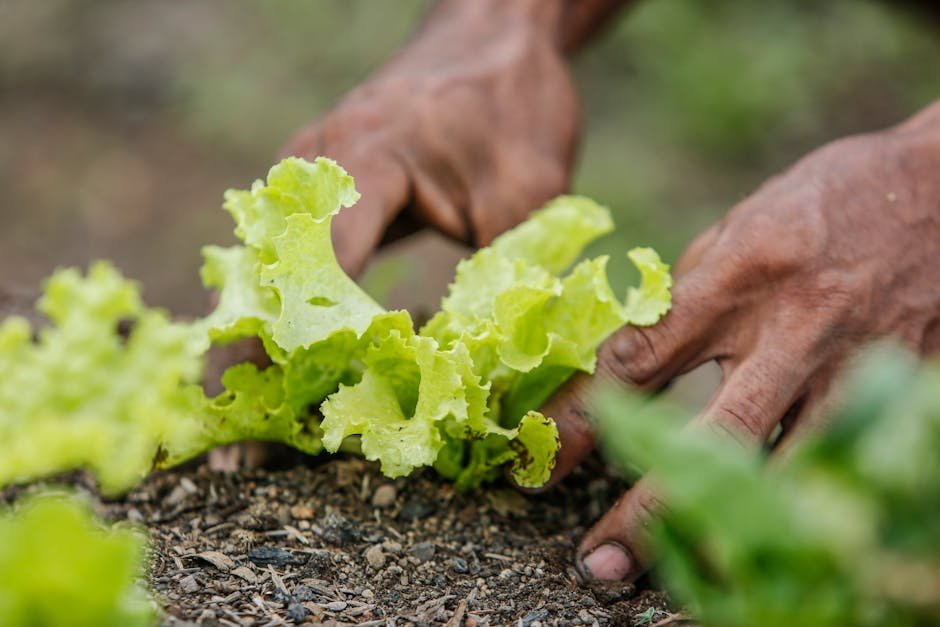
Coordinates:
<point>340,544</point>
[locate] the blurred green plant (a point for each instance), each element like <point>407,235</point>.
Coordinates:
<point>845,532</point>
<point>60,567</point>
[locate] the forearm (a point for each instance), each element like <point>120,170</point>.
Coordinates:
<point>570,23</point>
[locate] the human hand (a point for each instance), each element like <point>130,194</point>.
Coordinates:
<point>837,251</point>
<point>467,129</point>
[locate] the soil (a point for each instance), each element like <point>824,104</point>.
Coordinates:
<point>340,544</point>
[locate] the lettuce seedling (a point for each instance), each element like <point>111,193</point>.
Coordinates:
<point>59,566</point>
<point>461,394</point>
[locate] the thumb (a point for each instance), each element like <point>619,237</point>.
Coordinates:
<point>617,547</point>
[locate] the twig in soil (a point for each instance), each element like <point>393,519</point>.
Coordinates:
<point>261,604</point>
<point>228,599</point>
<point>181,571</point>
<point>277,533</point>
<point>219,527</point>
<point>457,619</point>
<point>234,617</point>
<point>673,619</point>
<point>293,532</point>
<point>276,579</point>
<point>497,556</point>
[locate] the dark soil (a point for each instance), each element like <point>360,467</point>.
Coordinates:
<point>340,544</point>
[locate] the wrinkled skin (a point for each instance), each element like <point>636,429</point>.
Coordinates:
<point>837,251</point>
<point>466,130</point>
<point>473,124</point>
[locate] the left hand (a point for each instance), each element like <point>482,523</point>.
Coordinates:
<point>839,250</point>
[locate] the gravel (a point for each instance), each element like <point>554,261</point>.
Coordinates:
<point>339,544</point>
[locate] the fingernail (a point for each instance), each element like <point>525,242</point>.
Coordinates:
<point>608,562</point>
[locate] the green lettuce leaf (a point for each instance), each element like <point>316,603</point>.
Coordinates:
<point>58,566</point>
<point>317,298</point>
<point>650,302</point>
<point>294,187</point>
<point>245,307</point>
<point>83,396</point>
<point>528,328</point>
<point>461,394</point>
<point>285,285</point>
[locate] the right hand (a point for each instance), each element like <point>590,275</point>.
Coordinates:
<point>467,129</point>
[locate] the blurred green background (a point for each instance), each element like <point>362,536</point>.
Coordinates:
<point>122,121</point>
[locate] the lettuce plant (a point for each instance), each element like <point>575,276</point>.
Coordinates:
<point>461,394</point>
<point>58,566</point>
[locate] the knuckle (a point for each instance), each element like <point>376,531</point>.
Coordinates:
<point>646,506</point>
<point>741,418</point>
<point>569,406</point>
<point>629,357</point>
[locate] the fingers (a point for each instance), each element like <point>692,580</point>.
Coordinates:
<point>384,188</point>
<point>644,358</point>
<point>617,547</point>
<point>746,409</point>
<point>358,230</point>
<point>575,428</point>
<point>753,398</point>
<point>814,413</point>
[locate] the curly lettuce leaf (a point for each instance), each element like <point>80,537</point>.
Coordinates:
<point>285,285</point>
<point>294,187</point>
<point>536,444</point>
<point>59,566</point>
<point>648,303</point>
<point>461,394</point>
<point>254,407</point>
<point>528,328</point>
<point>317,297</point>
<point>83,396</point>
<point>245,307</point>
<point>408,390</point>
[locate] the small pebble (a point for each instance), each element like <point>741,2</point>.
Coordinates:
<point>269,556</point>
<point>375,556</point>
<point>189,584</point>
<point>337,530</point>
<point>297,612</point>
<point>384,496</point>
<point>134,515</point>
<point>245,573</point>
<point>175,497</point>
<point>303,593</point>
<point>301,512</point>
<point>422,551</point>
<point>416,509</point>
<point>533,617</point>
<point>336,606</point>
